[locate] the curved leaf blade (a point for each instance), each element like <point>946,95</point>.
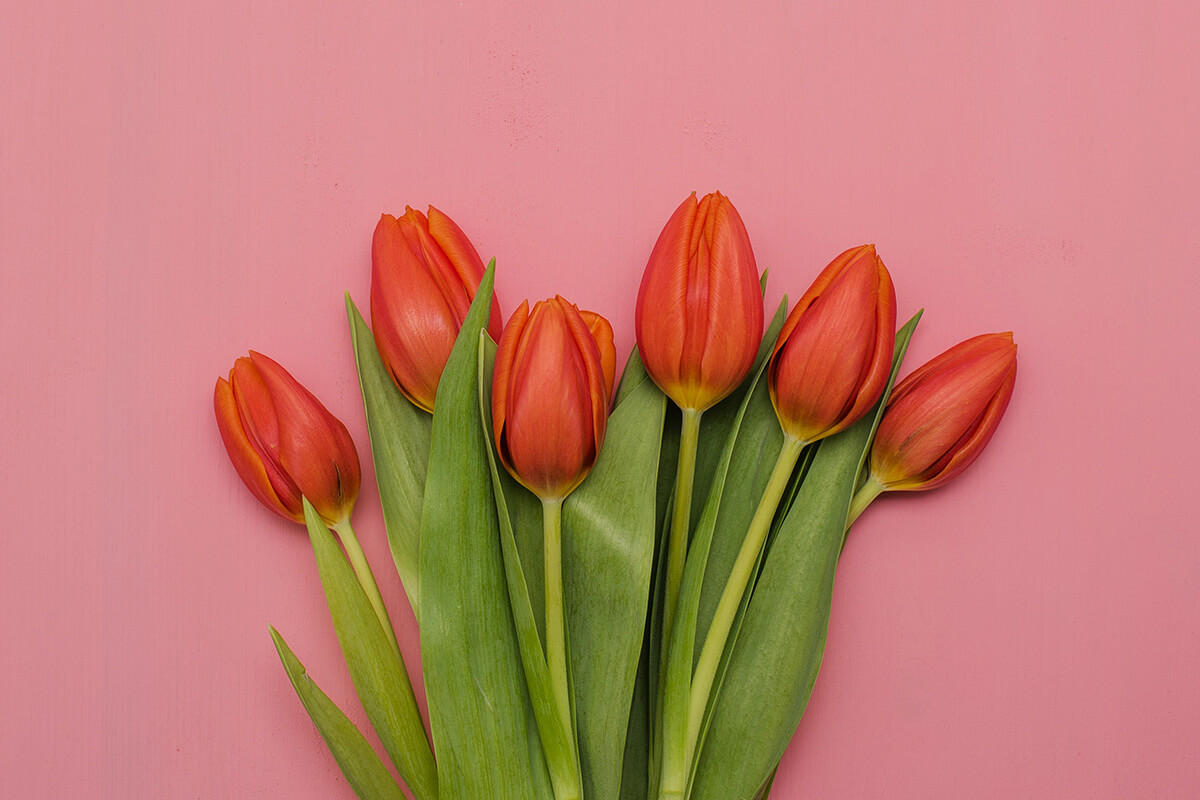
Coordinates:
<point>364,770</point>
<point>400,437</point>
<point>770,673</point>
<point>378,674</point>
<point>473,675</point>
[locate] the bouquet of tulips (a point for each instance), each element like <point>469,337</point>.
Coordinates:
<point>622,587</point>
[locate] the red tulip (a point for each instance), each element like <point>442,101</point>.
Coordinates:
<point>284,443</point>
<point>834,354</point>
<point>424,274</point>
<point>699,312</point>
<point>941,416</point>
<point>550,395</point>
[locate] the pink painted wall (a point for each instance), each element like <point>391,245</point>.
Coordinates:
<point>181,182</point>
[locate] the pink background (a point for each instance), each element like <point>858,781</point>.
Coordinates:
<point>179,183</point>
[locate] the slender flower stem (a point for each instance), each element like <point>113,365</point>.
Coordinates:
<point>556,640</point>
<point>366,579</point>
<point>735,587</point>
<point>685,477</point>
<point>869,491</point>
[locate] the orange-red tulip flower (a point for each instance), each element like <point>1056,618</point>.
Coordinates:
<point>941,416</point>
<point>834,354</point>
<point>284,443</point>
<point>424,274</point>
<point>550,395</point>
<point>699,313</point>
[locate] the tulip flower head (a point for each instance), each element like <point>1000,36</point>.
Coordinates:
<point>833,356</point>
<point>699,313</point>
<point>551,388</point>
<point>941,416</point>
<point>284,444</point>
<point>424,274</point>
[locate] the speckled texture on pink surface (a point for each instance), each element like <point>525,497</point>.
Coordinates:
<point>182,182</point>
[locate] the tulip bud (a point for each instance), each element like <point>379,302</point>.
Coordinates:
<point>550,393</point>
<point>284,444</point>
<point>834,354</point>
<point>941,416</point>
<point>699,313</point>
<point>424,274</point>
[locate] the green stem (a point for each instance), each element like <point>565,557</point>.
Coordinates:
<point>735,587</point>
<point>366,579</point>
<point>685,477</point>
<point>869,491</point>
<point>556,639</point>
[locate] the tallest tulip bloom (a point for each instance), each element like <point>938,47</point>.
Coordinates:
<point>699,320</point>
<point>699,309</point>
<point>424,274</point>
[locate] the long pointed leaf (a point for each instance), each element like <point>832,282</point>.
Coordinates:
<point>364,770</point>
<point>558,744</point>
<point>379,675</point>
<point>473,676</point>
<point>400,435</point>
<point>770,673</point>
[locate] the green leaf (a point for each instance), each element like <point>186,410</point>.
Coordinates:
<point>608,554</point>
<point>770,673</point>
<point>743,437</point>
<point>558,744</point>
<point>473,673</point>
<point>379,675</point>
<point>635,767</point>
<point>631,377</point>
<point>765,791</point>
<point>717,426</point>
<point>400,436</point>
<point>360,764</point>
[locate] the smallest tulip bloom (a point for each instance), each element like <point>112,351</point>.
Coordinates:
<point>424,274</point>
<point>941,416</point>
<point>284,444</point>
<point>833,356</point>
<point>551,388</point>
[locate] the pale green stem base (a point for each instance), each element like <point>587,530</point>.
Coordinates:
<point>735,587</point>
<point>366,579</point>
<point>869,491</point>
<point>556,639</point>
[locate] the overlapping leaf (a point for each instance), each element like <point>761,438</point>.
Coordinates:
<point>379,675</point>
<point>400,436</point>
<point>478,705</point>
<point>770,674</point>
<point>363,769</point>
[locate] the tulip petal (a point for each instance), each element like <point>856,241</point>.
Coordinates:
<point>465,260</point>
<point>315,449</point>
<point>834,354</point>
<point>413,310</point>
<point>245,458</point>
<point>506,351</point>
<point>944,413</point>
<point>260,420</point>
<point>661,315</point>
<point>699,309</point>
<point>550,396</point>
<point>602,332</point>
